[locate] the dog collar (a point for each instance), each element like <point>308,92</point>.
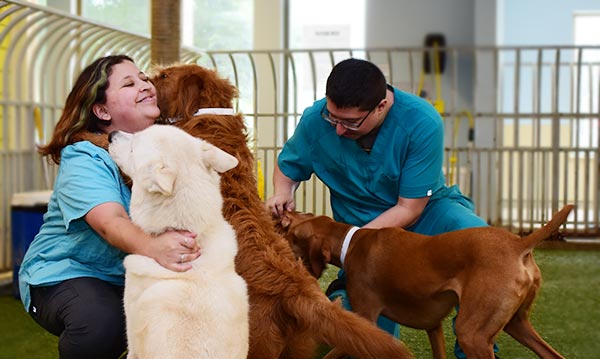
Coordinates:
<point>205,111</point>
<point>346,243</point>
<point>214,111</point>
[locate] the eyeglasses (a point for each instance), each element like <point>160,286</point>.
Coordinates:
<point>352,126</point>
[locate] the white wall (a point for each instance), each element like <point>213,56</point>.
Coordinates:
<point>406,22</point>
<point>534,22</point>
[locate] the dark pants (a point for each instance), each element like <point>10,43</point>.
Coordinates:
<point>86,314</point>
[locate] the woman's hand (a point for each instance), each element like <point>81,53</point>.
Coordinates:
<point>175,249</point>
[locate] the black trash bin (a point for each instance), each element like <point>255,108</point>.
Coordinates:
<point>27,212</point>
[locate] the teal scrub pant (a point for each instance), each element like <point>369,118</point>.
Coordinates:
<point>450,210</point>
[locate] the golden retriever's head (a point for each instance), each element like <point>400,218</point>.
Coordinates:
<point>183,89</point>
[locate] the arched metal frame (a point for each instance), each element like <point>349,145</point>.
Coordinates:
<point>514,117</point>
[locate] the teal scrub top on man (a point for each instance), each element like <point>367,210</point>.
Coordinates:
<point>405,159</point>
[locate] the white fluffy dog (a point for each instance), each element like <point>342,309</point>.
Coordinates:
<point>201,313</point>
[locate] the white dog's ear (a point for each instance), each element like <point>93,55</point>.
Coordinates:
<point>218,159</point>
<point>161,180</point>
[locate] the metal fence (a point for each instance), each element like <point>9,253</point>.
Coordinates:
<point>521,123</point>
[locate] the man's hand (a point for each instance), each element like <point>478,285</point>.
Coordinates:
<point>283,199</point>
<point>280,203</point>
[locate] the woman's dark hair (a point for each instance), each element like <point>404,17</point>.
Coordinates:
<point>77,116</point>
<point>356,83</point>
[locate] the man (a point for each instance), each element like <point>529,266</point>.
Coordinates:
<point>379,151</point>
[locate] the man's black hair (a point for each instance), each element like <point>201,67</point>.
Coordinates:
<point>356,83</point>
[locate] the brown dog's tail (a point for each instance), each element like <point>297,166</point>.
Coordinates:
<point>551,227</point>
<point>344,330</point>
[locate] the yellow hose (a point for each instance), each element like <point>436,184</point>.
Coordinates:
<point>453,160</point>
<point>437,102</point>
<point>260,180</point>
<point>39,130</point>
<point>37,121</point>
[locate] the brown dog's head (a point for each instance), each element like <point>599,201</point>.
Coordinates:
<point>303,232</point>
<point>183,89</point>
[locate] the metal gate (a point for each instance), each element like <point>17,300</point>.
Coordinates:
<point>521,123</point>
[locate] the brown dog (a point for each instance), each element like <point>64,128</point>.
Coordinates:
<point>417,280</point>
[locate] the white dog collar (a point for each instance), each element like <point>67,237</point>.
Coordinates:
<point>214,111</point>
<point>205,111</point>
<point>346,243</point>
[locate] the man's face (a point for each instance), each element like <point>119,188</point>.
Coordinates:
<point>352,122</point>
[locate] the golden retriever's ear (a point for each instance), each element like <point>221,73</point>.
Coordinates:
<point>191,95</point>
<point>161,180</point>
<point>218,159</point>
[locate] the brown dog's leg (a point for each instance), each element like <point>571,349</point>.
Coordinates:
<point>476,330</point>
<point>436,339</point>
<point>521,329</point>
<point>519,326</point>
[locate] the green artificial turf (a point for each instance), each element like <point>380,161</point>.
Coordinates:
<point>20,336</point>
<point>566,314</point>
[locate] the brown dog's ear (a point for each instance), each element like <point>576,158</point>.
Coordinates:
<point>285,220</point>
<point>319,256</point>
<point>312,247</point>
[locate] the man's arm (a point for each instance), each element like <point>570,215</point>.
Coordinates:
<point>405,213</point>
<point>283,199</point>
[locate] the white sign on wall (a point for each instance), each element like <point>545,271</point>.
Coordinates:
<point>326,36</point>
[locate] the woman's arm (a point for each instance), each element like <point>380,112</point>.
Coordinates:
<point>110,220</point>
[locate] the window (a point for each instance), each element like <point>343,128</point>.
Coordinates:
<point>586,30</point>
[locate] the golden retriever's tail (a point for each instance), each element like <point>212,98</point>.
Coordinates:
<point>346,331</point>
<point>551,227</point>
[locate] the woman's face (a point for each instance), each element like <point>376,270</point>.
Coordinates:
<point>130,100</point>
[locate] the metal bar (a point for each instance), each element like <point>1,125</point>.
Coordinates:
<point>555,133</point>
<point>498,135</point>
<point>537,138</point>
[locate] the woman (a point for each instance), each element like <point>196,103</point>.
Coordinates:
<point>71,279</point>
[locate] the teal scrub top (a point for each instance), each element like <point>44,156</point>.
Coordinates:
<point>405,160</point>
<point>66,246</point>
